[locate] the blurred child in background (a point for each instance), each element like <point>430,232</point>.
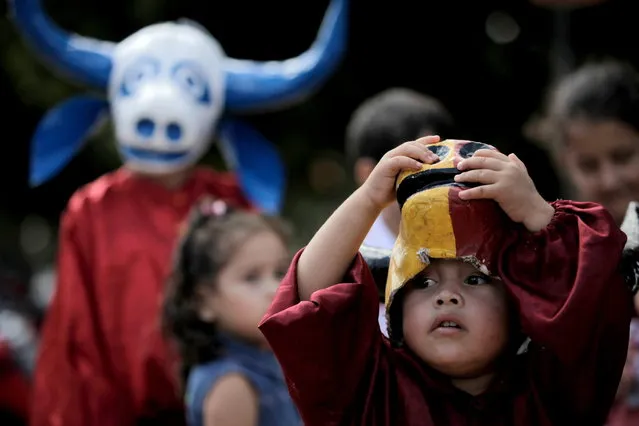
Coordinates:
<point>228,267</point>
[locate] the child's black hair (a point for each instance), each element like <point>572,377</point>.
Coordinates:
<point>211,235</point>
<point>393,117</point>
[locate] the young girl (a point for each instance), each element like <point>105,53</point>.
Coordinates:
<point>500,313</point>
<point>228,267</point>
<point>591,127</point>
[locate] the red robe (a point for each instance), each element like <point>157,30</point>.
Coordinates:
<point>103,361</point>
<point>621,415</point>
<point>571,301</point>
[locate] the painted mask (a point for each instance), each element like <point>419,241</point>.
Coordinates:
<point>437,224</point>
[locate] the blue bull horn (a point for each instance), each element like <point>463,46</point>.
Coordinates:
<point>252,85</point>
<point>79,58</point>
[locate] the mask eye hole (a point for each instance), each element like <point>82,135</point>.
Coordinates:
<point>439,150</point>
<point>137,74</point>
<point>469,149</point>
<point>190,79</point>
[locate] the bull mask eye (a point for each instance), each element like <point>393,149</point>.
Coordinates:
<point>192,80</point>
<point>137,73</point>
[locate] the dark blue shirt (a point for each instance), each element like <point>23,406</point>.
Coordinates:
<point>259,367</point>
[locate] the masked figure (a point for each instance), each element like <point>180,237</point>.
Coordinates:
<point>169,89</point>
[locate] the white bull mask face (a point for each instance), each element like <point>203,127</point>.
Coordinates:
<point>167,94</point>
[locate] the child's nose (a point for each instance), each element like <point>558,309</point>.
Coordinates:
<point>609,178</point>
<point>447,297</point>
<point>271,286</point>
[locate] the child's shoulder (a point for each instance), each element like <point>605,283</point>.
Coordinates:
<point>203,377</point>
<point>213,370</point>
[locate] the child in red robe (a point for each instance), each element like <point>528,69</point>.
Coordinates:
<point>503,309</point>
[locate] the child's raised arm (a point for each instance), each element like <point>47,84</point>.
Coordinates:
<point>322,325</point>
<point>564,276</point>
<point>330,252</point>
<point>574,306</point>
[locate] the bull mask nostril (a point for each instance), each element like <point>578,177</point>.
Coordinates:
<point>145,127</point>
<point>173,132</point>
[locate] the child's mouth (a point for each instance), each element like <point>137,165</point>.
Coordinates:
<point>447,326</point>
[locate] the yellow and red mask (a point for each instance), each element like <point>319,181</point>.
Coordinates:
<point>437,224</point>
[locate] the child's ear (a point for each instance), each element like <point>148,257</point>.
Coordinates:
<point>363,168</point>
<point>206,313</point>
<point>205,305</point>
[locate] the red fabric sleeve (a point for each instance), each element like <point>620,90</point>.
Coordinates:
<point>72,384</point>
<point>327,345</point>
<point>574,306</point>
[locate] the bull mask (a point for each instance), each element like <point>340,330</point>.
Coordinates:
<point>167,88</point>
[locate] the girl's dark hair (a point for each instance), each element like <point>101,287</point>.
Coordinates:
<point>607,90</point>
<point>211,235</point>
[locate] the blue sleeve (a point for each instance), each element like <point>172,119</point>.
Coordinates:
<point>200,382</point>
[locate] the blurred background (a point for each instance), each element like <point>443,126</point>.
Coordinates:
<point>489,62</point>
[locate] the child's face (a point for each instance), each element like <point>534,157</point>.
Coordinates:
<point>247,284</point>
<point>602,160</point>
<point>456,319</point>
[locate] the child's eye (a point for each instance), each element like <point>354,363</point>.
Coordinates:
<point>425,282</point>
<point>281,273</point>
<point>252,277</point>
<point>477,279</point>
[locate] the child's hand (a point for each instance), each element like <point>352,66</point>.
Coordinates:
<point>380,185</point>
<point>505,180</point>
